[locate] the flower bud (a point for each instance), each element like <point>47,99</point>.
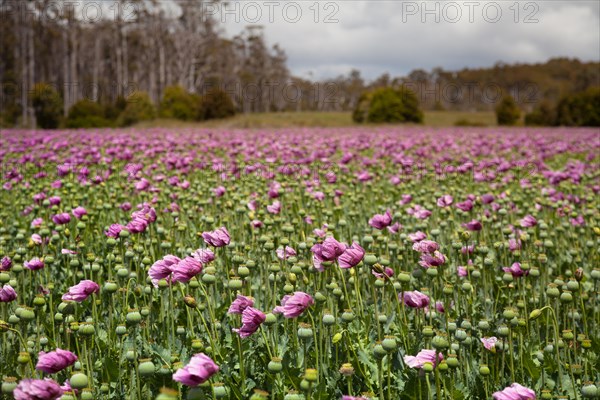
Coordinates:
<point>190,301</point>
<point>311,375</point>
<point>275,365</point>
<point>146,367</point>
<point>347,369</point>
<point>535,314</point>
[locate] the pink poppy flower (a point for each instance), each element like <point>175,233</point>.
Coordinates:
<point>423,357</point>
<point>445,201</point>
<point>186,269</point>
<point>274,208</point>
<point>426,246</point>
<point>251,321</point>
<point>37,389</point>
<point>240,304</point>
<point>515,270</point>
<point>415,299</point>
<point>55,361</point>
<point>528,221</point>
<point>352,256</point>
<point>81,291</point>
<point>380,221</point>
<point>162,269</point>
<point>7,294</point>
<point>294,305</point>
<point>514,392</point>
<point>217,238</point>
<point>286,253</point>
<point>197,371</point>
<point>489,343</point>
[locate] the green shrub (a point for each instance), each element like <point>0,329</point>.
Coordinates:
<point>87,114</point>
<point>388,105</point>
<point>139,108</point>
<point>179,104</point>
<point>47,106</point>
<point>215,104</point>
<point>113,110</point>
<point>507,112</point>
<point>542,115</point>
<point>581,109</point>
<point>467,122</point>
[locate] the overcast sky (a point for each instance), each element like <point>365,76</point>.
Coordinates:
<point>327,38</point>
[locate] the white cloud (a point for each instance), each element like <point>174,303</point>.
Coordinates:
<point>397,36</point>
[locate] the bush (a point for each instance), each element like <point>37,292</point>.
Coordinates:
<point>47,106</point>
<point>87,114</point>
<point>507,112</point>
<point>388,105</point>
<point>467,122</point>
<point>543,115</point>
<point>215,104</point>
<point>138,108</point>
<point>581,109</point>
<point>179,104</point>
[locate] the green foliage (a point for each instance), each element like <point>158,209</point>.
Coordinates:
<point>542,115</point>
<point>87,114</point>
<point>467,122</point>
<point>388,105</point>
<point>139,108</point>
<point>178,104</point>
<point>47,106</point>
<point>581,109</point>
<point>507,112</point>
<point>215,104</point>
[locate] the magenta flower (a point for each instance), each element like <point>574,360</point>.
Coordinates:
<point>61,219</point>
<point>445,201</point>
<point>54,200</point>
<point>416,299</point>
<point>487,198</point>
<point>204,255</point>
<point>251,320</point>
<point>219,191</point>
<point>274,208</point>
<point>293,306</point>
<point>81,291</point>
<point>37,239</point>
<point>424,356</point>
<point>528,221</point>
<point>394,228</point>
<point>252,205</point>
<point>162,269</point>
<point>473,225</point>
<point>329,250</point>
<point>515,270</point>
<point>380,221</point>
<point>489,343</point>
<point>217,238</point>
<point>426,246</point>
<point>186,269</point>
<point>256,223</point>
<point>34,264</point>
<point>432,260</point>
<point>198,371</point>
<point>417,236</point>
<point>79,212</point>
<point>114,230</point>
<point>286,253</point>
<point>37,389</point>
<point>466,205</point>
<point>7,294</point>
<point>352,256</point>
<point>387,272</point>
<point>240,304</point>
<point>514,244</point>
<point>514,392</point>
<point>5,264</point>
<point>55,361</point>
<point>137,225</point>
<point>461,271</point>
<point>37,222</point>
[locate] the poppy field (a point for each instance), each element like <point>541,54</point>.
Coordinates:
<point>325,263</point>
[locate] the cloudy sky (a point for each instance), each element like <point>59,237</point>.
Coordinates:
<point>326,38</point>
